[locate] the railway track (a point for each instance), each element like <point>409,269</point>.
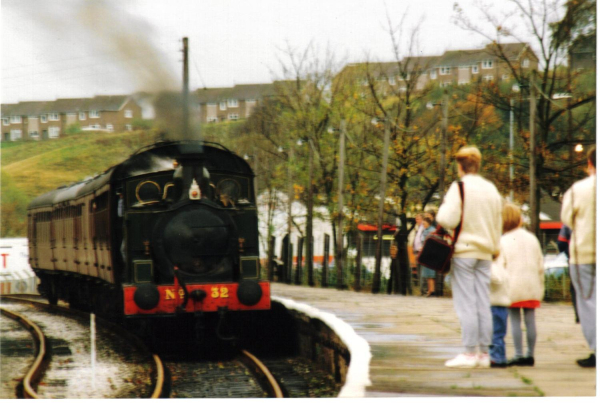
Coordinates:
<point>53,359</point>
<point>65,360</point>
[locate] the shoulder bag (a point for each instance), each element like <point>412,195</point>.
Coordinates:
<point>437,251</point>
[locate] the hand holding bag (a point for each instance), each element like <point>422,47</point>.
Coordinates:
<point>437,252</point>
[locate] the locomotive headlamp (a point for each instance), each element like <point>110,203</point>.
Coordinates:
<point>146,296</point>
<point>195,191</point>
<point>249,292</point>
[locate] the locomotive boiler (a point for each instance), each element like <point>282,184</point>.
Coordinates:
<point>170,232</point>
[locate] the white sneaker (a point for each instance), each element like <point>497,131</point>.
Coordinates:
<point>463,361</point>
<point>483,360</point>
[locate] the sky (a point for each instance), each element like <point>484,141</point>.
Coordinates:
<point>77,48</point>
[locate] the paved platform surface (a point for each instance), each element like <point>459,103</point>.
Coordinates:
<point>411,337</point>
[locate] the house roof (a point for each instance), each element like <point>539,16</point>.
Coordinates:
<point>239,91</point>
<point>66,105</point>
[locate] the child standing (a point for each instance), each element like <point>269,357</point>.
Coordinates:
<point>500,301</point>
<point>521,255</point>
<point>427,273</point>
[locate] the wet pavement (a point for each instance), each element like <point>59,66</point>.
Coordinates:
<point>411,337</point>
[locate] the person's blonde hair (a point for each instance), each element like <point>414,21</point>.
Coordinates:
<point>511,217</point>
<point>469,159</point>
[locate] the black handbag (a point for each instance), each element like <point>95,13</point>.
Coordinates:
<point>437,251</point>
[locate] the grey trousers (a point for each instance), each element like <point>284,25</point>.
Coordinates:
<point>470,279</point>
<point>582,279</point>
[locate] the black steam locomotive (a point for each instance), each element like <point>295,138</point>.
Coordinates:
<point>171,231</point>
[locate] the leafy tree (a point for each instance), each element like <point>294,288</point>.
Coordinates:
<point>14,209</point>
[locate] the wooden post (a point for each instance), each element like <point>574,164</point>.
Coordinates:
<point>270,257</point>
<point>358,267</point>
<point>382,184</point>
<point>324,274</point>
<point>443,146</point>
<point>288,275</point>
<point>298,279</point>
<point>285,251</point>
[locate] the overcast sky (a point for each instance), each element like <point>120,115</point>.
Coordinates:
<point>75,48</point>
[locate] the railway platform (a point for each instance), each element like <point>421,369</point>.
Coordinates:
<point>410,338</point>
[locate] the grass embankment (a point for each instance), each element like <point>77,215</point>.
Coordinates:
<point>31,168</point>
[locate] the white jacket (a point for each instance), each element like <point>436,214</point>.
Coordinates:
<point>579,213</point>
<point>521,255</point>
<point>499,294</point>
<point>482,223</point>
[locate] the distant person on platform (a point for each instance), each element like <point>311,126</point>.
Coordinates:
<point>521,254</point>
<point>477,244</point>
<point>427,273</point>
<point>579,213</point>
<point>417,241</point>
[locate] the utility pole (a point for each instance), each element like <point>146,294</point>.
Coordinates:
<point>443,146</point>
<point>309,218</point>
<point>382,184</point>
<point>533,201</point>
<point>186,91</point>
<point>339,253</point>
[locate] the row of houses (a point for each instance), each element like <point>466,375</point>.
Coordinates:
<point>35,120</point>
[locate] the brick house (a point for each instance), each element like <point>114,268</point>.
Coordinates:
<point>231,103</point>
<point>451,68</point>
<point>50,119</point>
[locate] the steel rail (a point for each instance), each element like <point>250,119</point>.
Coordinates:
<point>35,371</point>
<point>271,383</point>
<point>160,383</point>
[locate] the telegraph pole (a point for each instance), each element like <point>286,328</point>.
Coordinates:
<point>382,184</point>
<point>309,218</point>
<point>339,253</point>
<point>186,91</point>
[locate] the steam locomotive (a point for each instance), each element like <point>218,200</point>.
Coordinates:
<point>171,231</point>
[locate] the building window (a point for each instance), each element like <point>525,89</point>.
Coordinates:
<point>223,105</point>
<point>34,135</point>
<point>525,63</point>
<point>433,74</point>
<point>475,70</point>
<point>128,113</point>
<point>488,78</point>
<point>211,119</point>
<point>444,71</point>
<point>463,82</point>
<point>392,80</point>
<point>232,103</point>
<point>110,127</point>
<point>94,114</point>
<point>233,116</point>
<point>446,84</point>
<point>128,128</point>
<point>487,64</point>
<point>250,100</point>
<point>43,118</point>
<point>53,116</point>
<point>211,104</point>
<point>81,115</point>
<point>6,121</point>
<point>15,119</point>
<point>53,132</point>
<point>505,77</point>
<point>15,134</point>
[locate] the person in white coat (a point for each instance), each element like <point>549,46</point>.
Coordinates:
<point>478,242</point>
<point>521,255</point>
<point>579,213</point>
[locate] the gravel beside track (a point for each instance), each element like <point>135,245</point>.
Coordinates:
<point>17,353</point>
<point>118,370</point>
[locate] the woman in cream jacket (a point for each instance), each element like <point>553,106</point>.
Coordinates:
<point>521,255</point>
